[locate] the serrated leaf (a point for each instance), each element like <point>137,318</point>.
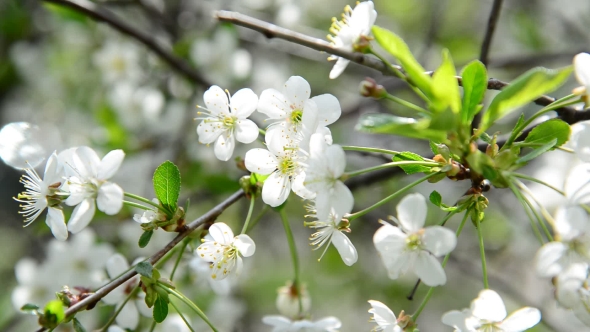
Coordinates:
<point>526,88</point>
<point>475,83</point>
<point>167,184</point>
<point>145,269</point>
<point>160,310</point>
<point>78,326</point>
<point>549,130</point>
<point>435,198</point>
<point>145,238</point>
<point>537,152</point>
<point>395,125</point>
<point>393,44</point>
<point>411,169</point>
<point>445,86</point>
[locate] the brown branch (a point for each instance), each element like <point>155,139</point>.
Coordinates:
<point>100,14</point>
<point>491,27</point>
<point>208,217</point>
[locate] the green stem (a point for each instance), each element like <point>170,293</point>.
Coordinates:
<point>262,131</point>
<point>294,256</point>
<point>245,227</point>
<point>142,199</point>
<point>182,316</point>
<point>185,243</point>
<point>447,217</point>
<point>190,304</point>
<point>482,253</point>
<point>406,104</point>
<point>365,149</point>
<point>444,263</point>
<point>530,178</point>
<point>137,205</point>
<point>388,198</point>
<point>526,207</point>
<point>544,212</point>
<point>154,323</point>
<point>258,217</point>
<point>118,311</point>
<point>388,165</point>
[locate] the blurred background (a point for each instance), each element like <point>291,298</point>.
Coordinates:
<point>81,82</point>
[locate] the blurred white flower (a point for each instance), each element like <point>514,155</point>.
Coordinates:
<point>118,61</point>
<point>223,251</point>
<point>582,71</point>
<point>573,290</point>
<point>288,300</point>
<point>284,324</point>
<point>225,312</point>
<point>226,120</point>
<point>384,317</point>
<point>488,313</point>
<point>21,145</point>
<point>410,247</point>
<point>580,140</point>
<point>173,323</point>
<point>137,107</point>
<point>346,32</point>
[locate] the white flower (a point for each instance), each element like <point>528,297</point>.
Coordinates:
<point>219,287</point>
<point>288,300</point>
<point>227,120</point>
<point>21,144</point>
<point>89,183</point>
<point>582,70</point>
<point>44,193</point>
<point>410,247</point>
<point>488,313</point>
<point>129,315</point>
<point>573,290</point>
<point>325,167</point>
<point>331,231</point>
<point>384,317</point>
<point>580,140</point>
<point>118,61</point>
<point>148,216</point>
<point>284,324</point>
<point>354,24</point>
<point>223,251</point>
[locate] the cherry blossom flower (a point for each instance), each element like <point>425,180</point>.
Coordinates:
<point>582,71</point>
<point>573,290</point>
<point>410,247</point>
<point>44,193</point>
<point>580,140</point>
<point>89,183</point>
<point>384,317</point>
<point>284,324</point>
<point>118,61</point>
<point>488,313</point>
<point>223,251</point>
<point>227,120</point>
<point>346,32</point>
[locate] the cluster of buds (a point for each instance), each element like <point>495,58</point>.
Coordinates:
<point>453,169</point>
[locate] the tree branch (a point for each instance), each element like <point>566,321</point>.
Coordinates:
<point>97,13</point>
<point>273,31</point>
<point>208,217</point>
<point>491,27</point>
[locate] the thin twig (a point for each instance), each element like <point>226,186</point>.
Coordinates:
<point>100,14</point>
<point>208,217</point>
<point>491,27</point>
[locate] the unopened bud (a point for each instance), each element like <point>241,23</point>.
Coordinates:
<point>439,159</point>
<point>492,150</point>
<point>370,88</point>
<point>288,300</point>
<point>444,151</point>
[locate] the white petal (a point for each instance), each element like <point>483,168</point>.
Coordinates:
<point>328,109</point>
<point>277,322</point>
<point>300,189</point>
<point>209,130</point>
<point>115,328</point>
<point>276,189</point>
<point>547,259</point>
<point>81,216</point>
<point>327,324</point>
<point>522,319</point>
<point>363,17</point>
<point>336,159</point>
<point>53,170</point>
<point>110,198</point>
<point>129,316</point>
<point>222,233</point>
<point>224,147</point>
<point>216,101</point>
<point>429,270</point>
<point>456,319</point>
<point>273,104</point>
<point>571,221</point>
<point>110,164</point>
<point>582,68</point>
<point>260,161</point>
<point>382,315</point>
<point>488,306</point>
<point>339,67</point>
<point>243,103</point>
<point>398,263</point>
<point>411,212</point>
<point>297,91</point>
<point>55,221</point>
<point>580,139</point>
<point>116,265</point>
<point>577,185</point>
<point>317,146</point>
<point>345,248</point>
<point>246,131</point>
<point>439,240</point>
<point>389,239</point>
<point>338,200</point>
<point>86,162</point>
<point>245,245</point>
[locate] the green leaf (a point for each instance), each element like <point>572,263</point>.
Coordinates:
<point>477,160</point>
<point>145,269</point>
<point>53,313</point>
<point>537,152</point>
<point>395,125</point>
<point>549,130</point>
<point>30,308</point>
<point>167,184</point>
<point>160,310</point>
<point>393,44</point>
<point>475,84</point>
<point>411,169</point>
<point>526,88</point>
<point>78,326</point>
<point>145,238</point>
<point>435,198</point>
<point>445,86</point>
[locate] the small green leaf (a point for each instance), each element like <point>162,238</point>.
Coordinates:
<point>411,169</point>
<point>167,184</point>
<point>145,238</point>
<point>30,308</point>
<point>537,152</point>
<point>526,88</point>
<point>395,125</point>
<point>433,147</point>
<point>475,83</point>
<point>548,130</point>
<point>53,313</point>
<point>393,44</point>
<point>445,86</point>
<point>160,310</point>
<point>78,326</point>
<point>145,269</point>
<point>477,160</point>
<point>435,198</point>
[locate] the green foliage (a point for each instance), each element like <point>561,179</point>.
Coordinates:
<point>537,152</point>
<point>145,269</point>
<point>78,326</point>
<point>549,130</point>
<point>65,13</point>
<point>145,238</point>
<point>435,198</point>
<point>160,309</point>
<point>411,169</point>
<point>53,314</point>
<point>395,125</point>
<point>445,86</point>
<point>167,185</point>
<point>523,90</point>
<point>475,84</point>
<point>30,308</point>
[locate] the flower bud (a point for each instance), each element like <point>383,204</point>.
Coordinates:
<point>370,88</point>
<point>288,300</point>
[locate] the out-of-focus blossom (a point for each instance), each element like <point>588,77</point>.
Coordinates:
<point>118,61</point>
<point>284,324</point>
<point>384,317</point>
<point>288,300</point>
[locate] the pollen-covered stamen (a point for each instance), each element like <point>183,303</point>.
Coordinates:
<point>287,165</point>
<point>414,241</point>
<point>296,116</point>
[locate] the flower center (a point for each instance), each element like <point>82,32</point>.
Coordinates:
<point>229,121</point>
<point>414,242</point>
<point>287,166</point>
<point>296,116</point>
